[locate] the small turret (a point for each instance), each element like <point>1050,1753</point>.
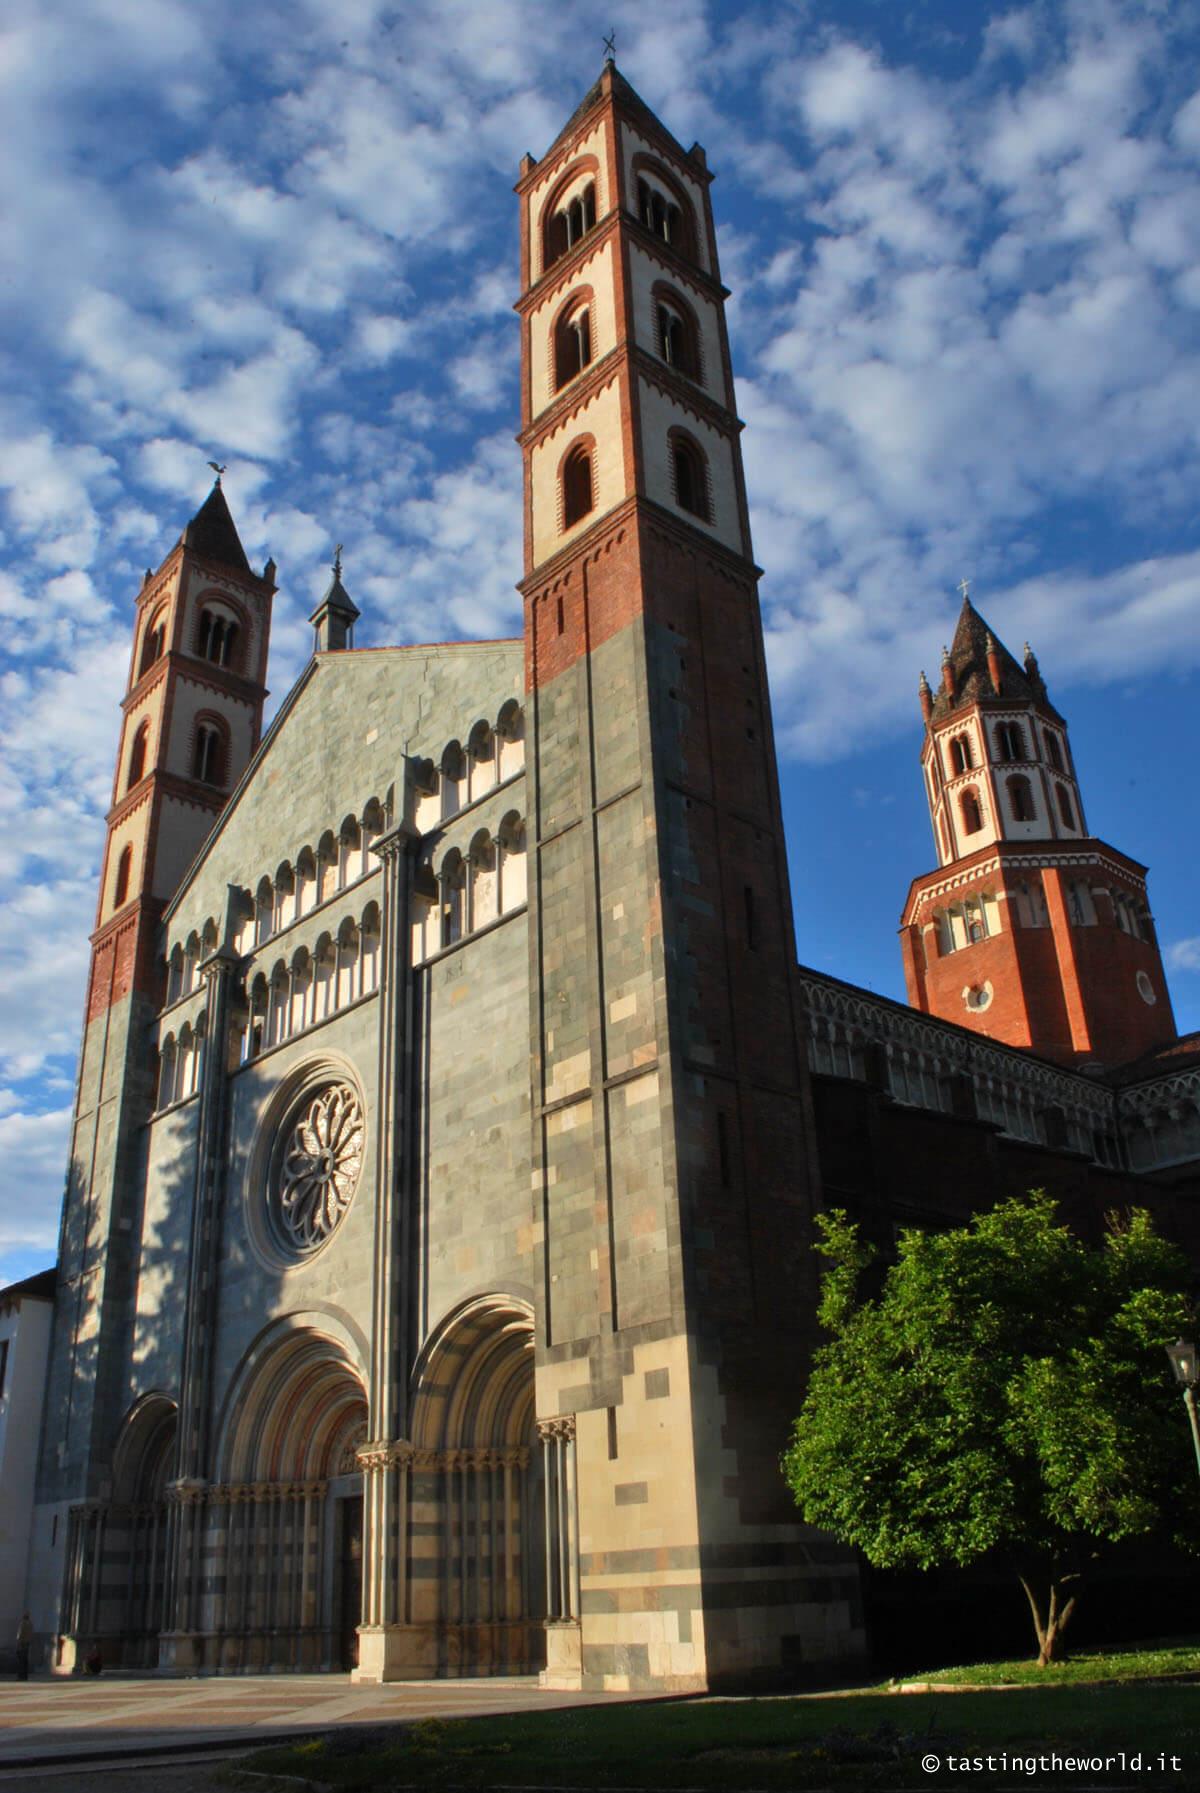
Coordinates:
<point>335,616</point>
<point>1028,930</point>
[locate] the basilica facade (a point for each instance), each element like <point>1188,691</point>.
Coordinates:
<point>435,1279</point>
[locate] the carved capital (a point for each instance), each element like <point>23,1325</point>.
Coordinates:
<point>561,1426</point>
<point>187,1492</point>
<point>400,839</point>
<point>373,1457</point>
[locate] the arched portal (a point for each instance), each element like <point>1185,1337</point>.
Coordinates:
<point>475,1583</point>
<point>115,1569</point>
<point>289,1503</point>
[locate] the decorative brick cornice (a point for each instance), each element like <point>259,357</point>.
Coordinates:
<point>569,265</point>
<point>672,262</point>
<point>574,397</point>
<point>138,910</point>
<point>999,857</point>
<point>590,540</point>
<point>196,672</point>
<point>187,790</point>
<point>689,537</point>
<point>688,394</point>
<point>234,582</point>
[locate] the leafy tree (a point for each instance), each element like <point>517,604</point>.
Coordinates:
<point>1005,1390</point>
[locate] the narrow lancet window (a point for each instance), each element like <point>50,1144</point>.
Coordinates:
<point>577,493</point>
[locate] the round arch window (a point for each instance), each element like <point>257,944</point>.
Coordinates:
<point>1145,989</point>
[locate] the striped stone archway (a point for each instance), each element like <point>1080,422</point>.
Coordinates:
<point>458,1588</point>
<point>284,1520</point>
<point>115,1566</point>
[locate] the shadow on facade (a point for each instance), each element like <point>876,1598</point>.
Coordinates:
<point>248,1546</point>
<point>238,1546</point>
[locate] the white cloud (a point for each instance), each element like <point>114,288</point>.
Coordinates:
<point>252,408</point>
<point>481,377</point>
<point>915,413</point>
<point>170,464</point>
<point>48,486</point>
<point>1183,955</point>
<point>34,1148</point>
<point>382,338</point>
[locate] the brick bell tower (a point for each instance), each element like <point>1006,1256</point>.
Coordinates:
<point>1031,930</point>
<point>191,718</point>
<point>672,1131</point>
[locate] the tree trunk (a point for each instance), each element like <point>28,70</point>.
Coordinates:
<point>1051,1617</point>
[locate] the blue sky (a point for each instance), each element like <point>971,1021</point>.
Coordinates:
<point>963,242</point>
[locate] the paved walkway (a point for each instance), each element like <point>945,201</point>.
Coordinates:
<point>59,1720</point>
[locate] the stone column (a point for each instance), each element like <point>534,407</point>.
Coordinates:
<point>381,1655</point>
<point>563,1643</point>
<point>186,1513</point>
<point>180,1649</point>
<point>81,1591</point>
<point>513,1462</point>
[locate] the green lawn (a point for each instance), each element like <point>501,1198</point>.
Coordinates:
<point>860,1741</point>
<point>1138,1664</point>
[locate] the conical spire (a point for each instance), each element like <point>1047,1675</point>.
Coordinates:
<point>212,532</point>
<point>980,666</point>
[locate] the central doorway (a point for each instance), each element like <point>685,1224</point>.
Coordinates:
<point>290,1492</point>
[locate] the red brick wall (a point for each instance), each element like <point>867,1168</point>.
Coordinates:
<point>1067,992</point>
<point>1121,1024</point>
<point>125,959</point>
<point>596,592</point>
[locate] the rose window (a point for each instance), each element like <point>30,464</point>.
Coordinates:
<point>319,1160</point>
